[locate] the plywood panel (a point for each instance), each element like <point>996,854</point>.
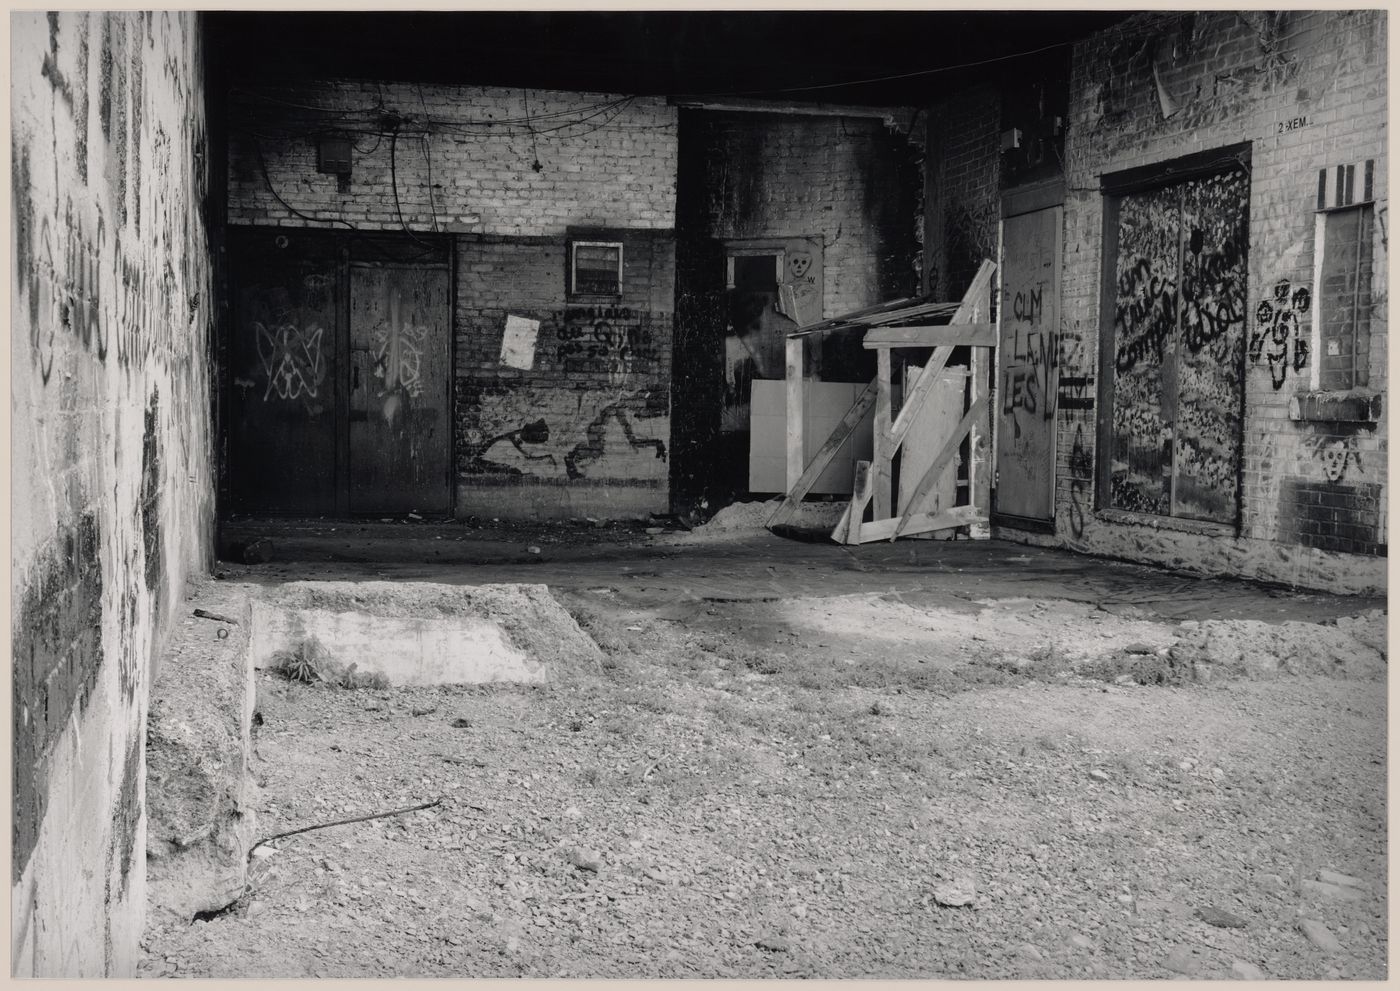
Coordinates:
<point>826,404</point>
<point>941,412</point>
<point>400,428</point>
<point>1029,353</point>
<point>1210,358</point>
<point>1145,307</point>
<point>283,375</point>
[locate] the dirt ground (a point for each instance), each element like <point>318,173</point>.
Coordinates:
<point>805,777</point>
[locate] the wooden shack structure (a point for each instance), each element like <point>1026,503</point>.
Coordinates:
<point>929,470</point>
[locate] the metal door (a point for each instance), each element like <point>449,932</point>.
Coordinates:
<point>400,428</point>
<point>282,373</point>
<point>1029,353</point>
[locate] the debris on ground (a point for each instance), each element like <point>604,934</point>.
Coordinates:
<point>783,784</point>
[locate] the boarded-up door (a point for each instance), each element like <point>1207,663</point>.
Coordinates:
<point>399,359</point>
<point>339,372</point>
<point>1178,284</point>
<point>282,374</point>
<point>1029,354</point>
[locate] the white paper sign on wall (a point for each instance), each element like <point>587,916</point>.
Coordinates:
<point>518,342</point>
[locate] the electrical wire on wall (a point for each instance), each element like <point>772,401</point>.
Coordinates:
<point>426,141</point>
<point>262,162</point>
<point>534,139</point>
<point>394,183</point>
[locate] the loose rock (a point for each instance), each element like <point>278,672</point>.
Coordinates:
<point>1319,935</point>
<point>1183,960</point>
<point>773,944</point>
<point>956,893</point>
<point>1220,918</point>
<point>1246,971</point>
<point>1332,877</point>
<point>585,859</point>
<point>1323,889</point>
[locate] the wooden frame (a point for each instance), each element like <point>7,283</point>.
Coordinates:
<point>903,323</point>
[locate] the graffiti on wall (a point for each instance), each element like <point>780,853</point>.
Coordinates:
<point>615,341</point>
<point>1179,348</point>
<point>1081,468</point>
<point>1279,339</point>
<point>568,434</point>
<point>1032,380</point>
<point>76,278</point>
<point>1334,455</point>
<point>292,358</point>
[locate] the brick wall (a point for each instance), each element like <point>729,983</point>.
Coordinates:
<point>111,456</point>
<point>852,182</point>
<point>848,187</point>
<point>585,430</point>
<point>463,159</point>
<point>1307,91</point>
<point>962,176</point>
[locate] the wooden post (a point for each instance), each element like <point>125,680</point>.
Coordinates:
<point>883,455</point>
<point>796,456</point>
<point>860,498</point>
<point>979,480</point>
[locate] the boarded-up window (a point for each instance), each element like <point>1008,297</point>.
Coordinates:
<point>1344,298</point>
<point>1175,332</point>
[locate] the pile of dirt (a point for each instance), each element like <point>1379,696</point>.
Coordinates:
<point>742,519</point>
<point>1353,648</point>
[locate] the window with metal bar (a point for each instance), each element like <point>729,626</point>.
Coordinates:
<point>1344,297</point>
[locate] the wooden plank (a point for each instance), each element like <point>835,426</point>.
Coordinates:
<point>945,454</point>
<point>914,402</point>
<point>880,457</point>
<point>944,405</point>
<point>979,477</point>
<point>795,411</point>
<point>921,523</point>
<point>823,457</point>
<point>849,318</point>
<point>842,526</point>
<point>860,498</point>
<point>982,335</point>
<point>976,302</point>
<point>907,315</point>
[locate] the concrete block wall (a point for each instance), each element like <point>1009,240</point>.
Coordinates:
<point>1307,90</point>
<point>112,483</point>
<point>585,430</point>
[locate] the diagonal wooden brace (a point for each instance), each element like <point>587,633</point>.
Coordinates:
<point>945,455</point>
<point>823,457</point>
